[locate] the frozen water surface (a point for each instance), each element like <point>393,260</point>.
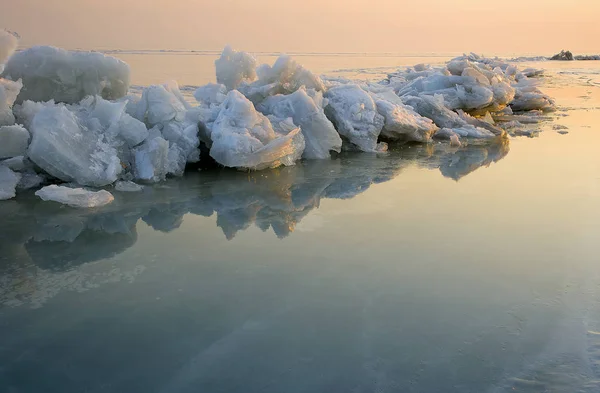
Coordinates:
<point>429,268</point>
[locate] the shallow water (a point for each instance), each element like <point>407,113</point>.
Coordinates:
<point>427,269</point>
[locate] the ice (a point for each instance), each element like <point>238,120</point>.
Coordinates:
<point>67,150</point>
<point>8,183</point>
<point>306,111</point>
<point>128,186</point>
<point>284,77</point>
<point>66,76</point>
<point>13,141</point>
<point>8,44</point>
<point>156,158</point>
<point>355,115</point>
<point>26,111</point>
<point>75,197</point>
<point>401,121</point>
<point>234,67</point>
<point>17,164</point>
<point>211,94</point>
<point>245,138</point>
<point>9,91</point>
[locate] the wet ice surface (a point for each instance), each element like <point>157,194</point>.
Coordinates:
<point>427,269</point>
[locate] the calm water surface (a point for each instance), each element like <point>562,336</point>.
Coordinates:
<point>428,269</point>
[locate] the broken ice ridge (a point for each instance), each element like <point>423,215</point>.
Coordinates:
<point>73,118</point>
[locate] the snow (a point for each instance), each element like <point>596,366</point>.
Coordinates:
<point>9,91</point>
<point>8,44</point>
<point>234,67</point>
<point>13,141</point>
<point>75,197</point>
<point>128,186</point>
<point>50,73</point>
<point>306,111</point>
<point>8,183</point>
<point>353,112</point>
<point>67,150</point>
<point>245,138</point>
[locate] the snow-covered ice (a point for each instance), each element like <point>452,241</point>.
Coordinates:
<point>75,197</point>
<point>66,76</point>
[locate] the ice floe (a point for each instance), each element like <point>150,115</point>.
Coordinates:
<point>70,116</point>
<point>75,197</point>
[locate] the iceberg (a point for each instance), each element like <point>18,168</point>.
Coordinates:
<point>306,111</point>
<point>50,73</point>
<point>234,67</point>
<point>69,151</point>
<point>13,141</point>
<point>245,138</point>
<point>8,183</point>
<point>75,197</point>
<point>355,115</point>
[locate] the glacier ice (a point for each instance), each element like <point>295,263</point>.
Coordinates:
<point>306,111</point>
<point>234,67</point>
<point>8,183</point>
<point>353,112</point>
<point>50,73</point>
<point>245,138</point>
<point>69,151</point>
<point>13,141</point>
<point>75,197</point>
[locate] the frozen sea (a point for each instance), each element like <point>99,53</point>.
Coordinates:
<point>427,269</point>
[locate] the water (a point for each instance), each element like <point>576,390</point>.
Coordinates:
<point>429,269</point>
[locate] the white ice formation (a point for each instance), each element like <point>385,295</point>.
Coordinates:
<point>65,76</point>
<point>75,197</point>
<point>68,116</point>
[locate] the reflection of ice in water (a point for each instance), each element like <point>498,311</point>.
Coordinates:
<point>61,242</point>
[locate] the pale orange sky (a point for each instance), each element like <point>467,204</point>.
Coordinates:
<point>399,26</point>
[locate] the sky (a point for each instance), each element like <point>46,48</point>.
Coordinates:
<point>397,26</point>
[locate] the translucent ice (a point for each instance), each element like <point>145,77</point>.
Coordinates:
<point>67,150</point>
<point>66,76</point>
<point>8,183</point>
<point>355,115</point>
<point>233,67</point>
<point>75,197</point>
<point>13,141</point>
<point>245,138</point>
<point>307,112</point>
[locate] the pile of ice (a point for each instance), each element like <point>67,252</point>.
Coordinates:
<point>70,117</point>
